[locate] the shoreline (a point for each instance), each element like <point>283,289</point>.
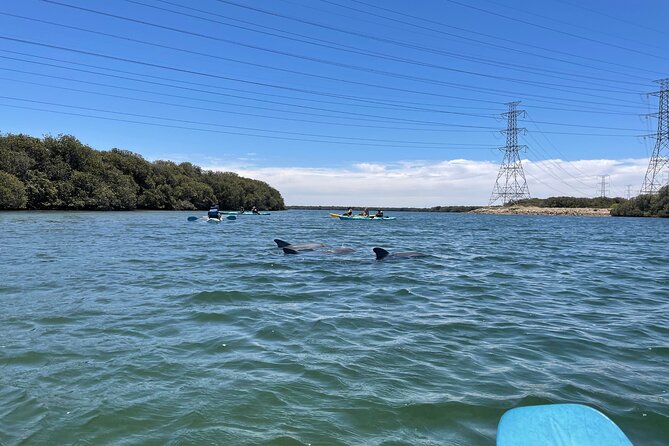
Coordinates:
<point>534,210</point>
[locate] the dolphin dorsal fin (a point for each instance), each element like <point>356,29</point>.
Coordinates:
<point>289,251</point>
<point>380,253</point>
<point>281,243</point>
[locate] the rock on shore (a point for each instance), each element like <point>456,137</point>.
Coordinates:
<point>533,210</point>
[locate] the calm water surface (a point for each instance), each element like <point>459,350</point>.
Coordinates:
<point>145,329</point>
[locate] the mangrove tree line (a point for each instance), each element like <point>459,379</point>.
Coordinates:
<point>644,205</point>
<point>62,173</point>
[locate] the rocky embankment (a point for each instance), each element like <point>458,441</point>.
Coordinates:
<point>533,210</point>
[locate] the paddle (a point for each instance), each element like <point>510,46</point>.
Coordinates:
<point>193,218</point>
<point>558,425</point>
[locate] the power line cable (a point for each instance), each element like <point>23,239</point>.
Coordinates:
<point>544,50</point>
<point>392,104</point>
<point>233,112</point>
<point>365,101</point>
<point>559,31</point>
<point>210,130</point>
<point>329,62</point>
<point>557,165</point>
<point>361,100</point>
<point>596,11</point>
<point>295,105</point>
<point>544,165</point>
<point>553,145</point>
<point>589,30</point>
<point>356,50</point>
<point>542,183</point>
<point>199,73</point>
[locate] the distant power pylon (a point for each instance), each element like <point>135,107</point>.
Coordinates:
<point>603,185</point>
<point>511,184</point>
<point>660,158</point>
<point>629,191</point>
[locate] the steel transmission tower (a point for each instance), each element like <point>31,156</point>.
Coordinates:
<point>603,186</point>
<point>511,184</point>
<point>660,158</point>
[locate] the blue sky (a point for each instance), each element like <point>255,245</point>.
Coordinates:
<point>346,101</point>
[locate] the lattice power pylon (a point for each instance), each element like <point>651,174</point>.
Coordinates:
<point>511,184</point>
<point>659,161</point>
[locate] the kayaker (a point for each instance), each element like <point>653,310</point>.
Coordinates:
<point>214,212</point>
<point>241,210</point>
<point>255,210</point>
<point>365,213</point>
<point>349,212</point>
<point>379,213</point>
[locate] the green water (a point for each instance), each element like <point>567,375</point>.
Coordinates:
<point>145,329</point>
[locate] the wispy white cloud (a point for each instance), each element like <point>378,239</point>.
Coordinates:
<point>432,183</point>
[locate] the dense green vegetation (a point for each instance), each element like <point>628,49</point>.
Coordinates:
<point>62,173</point>
<point>569,202</point>
<point>644,206</point>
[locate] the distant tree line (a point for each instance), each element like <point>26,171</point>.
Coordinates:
<point>62,173</point>
<point>644,205</point>
<point>569,202</point>
<point>407,209</point>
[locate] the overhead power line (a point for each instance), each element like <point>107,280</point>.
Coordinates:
<point>216,76</point>
<point>602,13</point>
<point>544,51</point>
<point>225,111</point>
<point>620,36</point>
<point>300,106</point>
<point>558,31</point>
<point>321,60</point>
<point>356,50</point>
<point>398,144</point>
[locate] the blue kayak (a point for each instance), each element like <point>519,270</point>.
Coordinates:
<point>558,425</point>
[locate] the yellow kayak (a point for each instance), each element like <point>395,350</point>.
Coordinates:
<point>335,215</point>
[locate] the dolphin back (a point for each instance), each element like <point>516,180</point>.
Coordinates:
<point>281,243</point>
<point>380,253</point>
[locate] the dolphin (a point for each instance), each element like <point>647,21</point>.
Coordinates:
<point>382,254</point>
<point>298,246</point>
<point>341,250</point>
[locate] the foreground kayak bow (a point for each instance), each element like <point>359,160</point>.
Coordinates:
<point>558,425</point>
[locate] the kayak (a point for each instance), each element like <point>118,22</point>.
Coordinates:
<point>211,220</point>
<point>360,217</point>
<point>335,215</point>
<point>558,425</point>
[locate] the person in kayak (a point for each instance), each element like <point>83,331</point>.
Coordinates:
<point>349,212</point>
<point>379,214</point>
<point>214,212</point>
<point>365,212</point>
<point>255,210</point>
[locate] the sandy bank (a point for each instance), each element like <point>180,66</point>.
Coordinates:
<point>533,210</point>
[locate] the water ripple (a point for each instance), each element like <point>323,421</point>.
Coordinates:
<point>201,334</point>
